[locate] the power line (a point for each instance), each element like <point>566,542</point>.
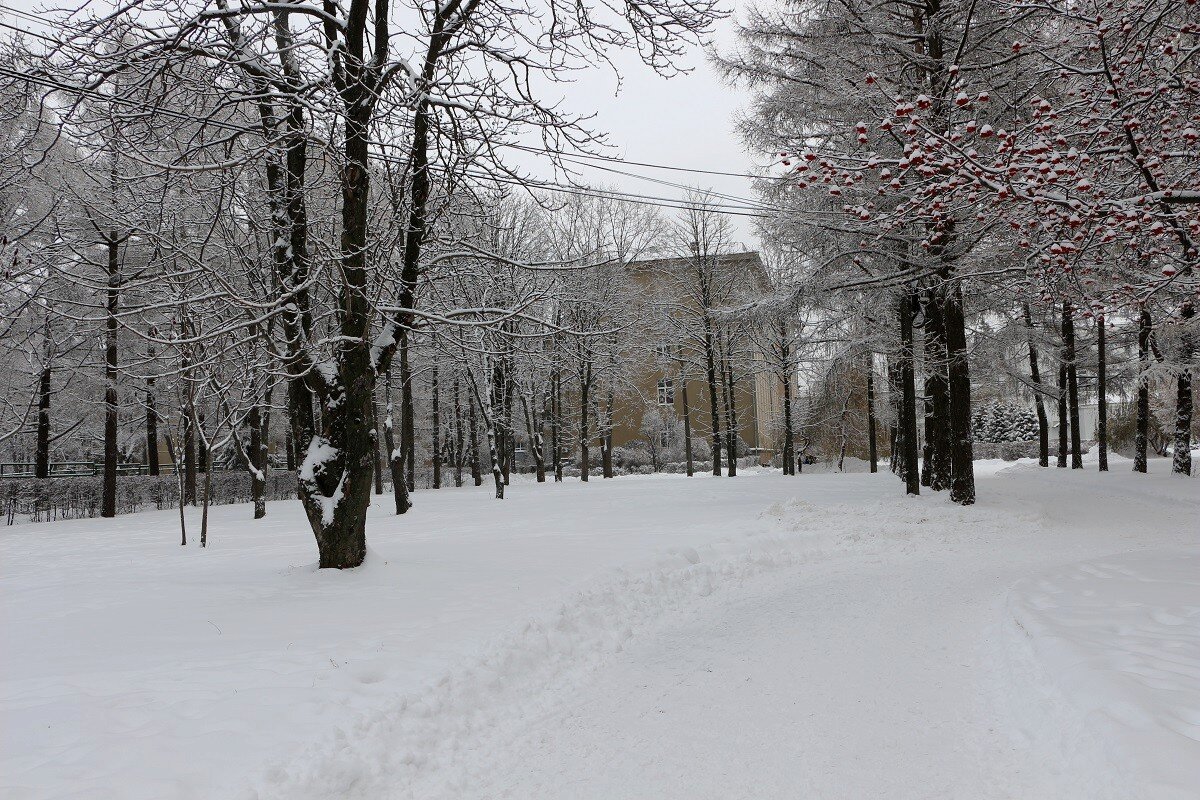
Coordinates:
<point>733,209</point>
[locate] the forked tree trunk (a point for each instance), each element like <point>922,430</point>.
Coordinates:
<point>1141,437</point>
<point>1035,377</point>
<point>907,432</point>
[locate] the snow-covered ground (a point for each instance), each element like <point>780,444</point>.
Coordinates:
<point>765,636</point>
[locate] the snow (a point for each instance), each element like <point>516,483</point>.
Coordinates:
<point>765,636</point>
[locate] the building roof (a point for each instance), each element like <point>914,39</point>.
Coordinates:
<point>749,262</point>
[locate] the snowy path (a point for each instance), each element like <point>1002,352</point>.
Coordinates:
<point>757,638</point>
<point>883,664</point>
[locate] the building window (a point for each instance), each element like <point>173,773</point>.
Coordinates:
<point>664,438</point>
<point>666,392</point>
<point>662,351</point>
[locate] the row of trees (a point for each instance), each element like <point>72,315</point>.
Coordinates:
<point>986,175</point>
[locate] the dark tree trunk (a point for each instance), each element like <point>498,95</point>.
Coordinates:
<point>687,423</point>
<point>962,451</point>
<point>585,380</point>
<point>936,466</point>
<point>1063,425</point>
<point>189,435</point>
<point>1035,377</point>
<point>473,433</point>
<point>731,429</point>
<point>377,449</point>
<point>108,492</point>
<point>403,456</point>
<point>872,444</point>
<point>789,438</point>
<point>258,462</point>
<point>152,465</point>
<point>909,465</point>
<point>458,436</point>
<point>1141,438</point>
<point>556,424</point>
<point>1068,330</point>
<point>1181,462</point>
<point>606,461</point>
<point>1101,394</point>
<point>41,462</point>
<point>437,429</point>
<point>289,445</point>
<point>710,369</point>
<point>395,450</point>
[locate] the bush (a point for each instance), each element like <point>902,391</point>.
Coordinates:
<point>78,496</point>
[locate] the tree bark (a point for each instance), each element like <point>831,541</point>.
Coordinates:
<point>710,369</point>
<point>473,432</point>
<point>1035,377</point>
<point>585,380</point>
<point>41,463</point>
<point>1101,394</point>
<point>962,455</point>
<point>1141,438</point>
<point>108,492</point>
<point>910,471</point>
<point>1068,326</point>
<point>872,444</point>
<point>731,428</point>
<point>936,466</point>
<point>1063,425</point>
<point>1181,461</point>
<point>437,429</point>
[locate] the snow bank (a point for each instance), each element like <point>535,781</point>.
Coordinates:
<point>1121,637</point>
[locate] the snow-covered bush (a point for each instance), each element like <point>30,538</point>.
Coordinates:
<point>78,496</point>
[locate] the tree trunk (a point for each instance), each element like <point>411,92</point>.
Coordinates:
<point>1142,436</point>
<point>789,438</point>
<point>152,465</point>
<point>458,436</point>
<point>1101,394</point>
<point>377,449</point>
<point>1068,325</point>
<point>962,452</point>
<point>108,492</point>
<point>585,380</point>
<point>687,422</point>
<point>606,443</point>
<point>710,369</point>
<point>1181,462</point>
<point>1035,377</point>
<point>437,429</point>
<point>1063,425</point>
<point>936,463</point>
<point>473,433</point>
<point>731,415</point>
<point>910,471</point>
<point>41,462</point>
<point>395,450</point>
<point>402,456</point>
<point>257,463</point>
<point>556,424</point>
<point>872,445</point>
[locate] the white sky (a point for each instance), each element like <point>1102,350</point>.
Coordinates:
<point>686,121</point>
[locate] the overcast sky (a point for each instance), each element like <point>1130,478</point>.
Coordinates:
<point>686,121</point>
